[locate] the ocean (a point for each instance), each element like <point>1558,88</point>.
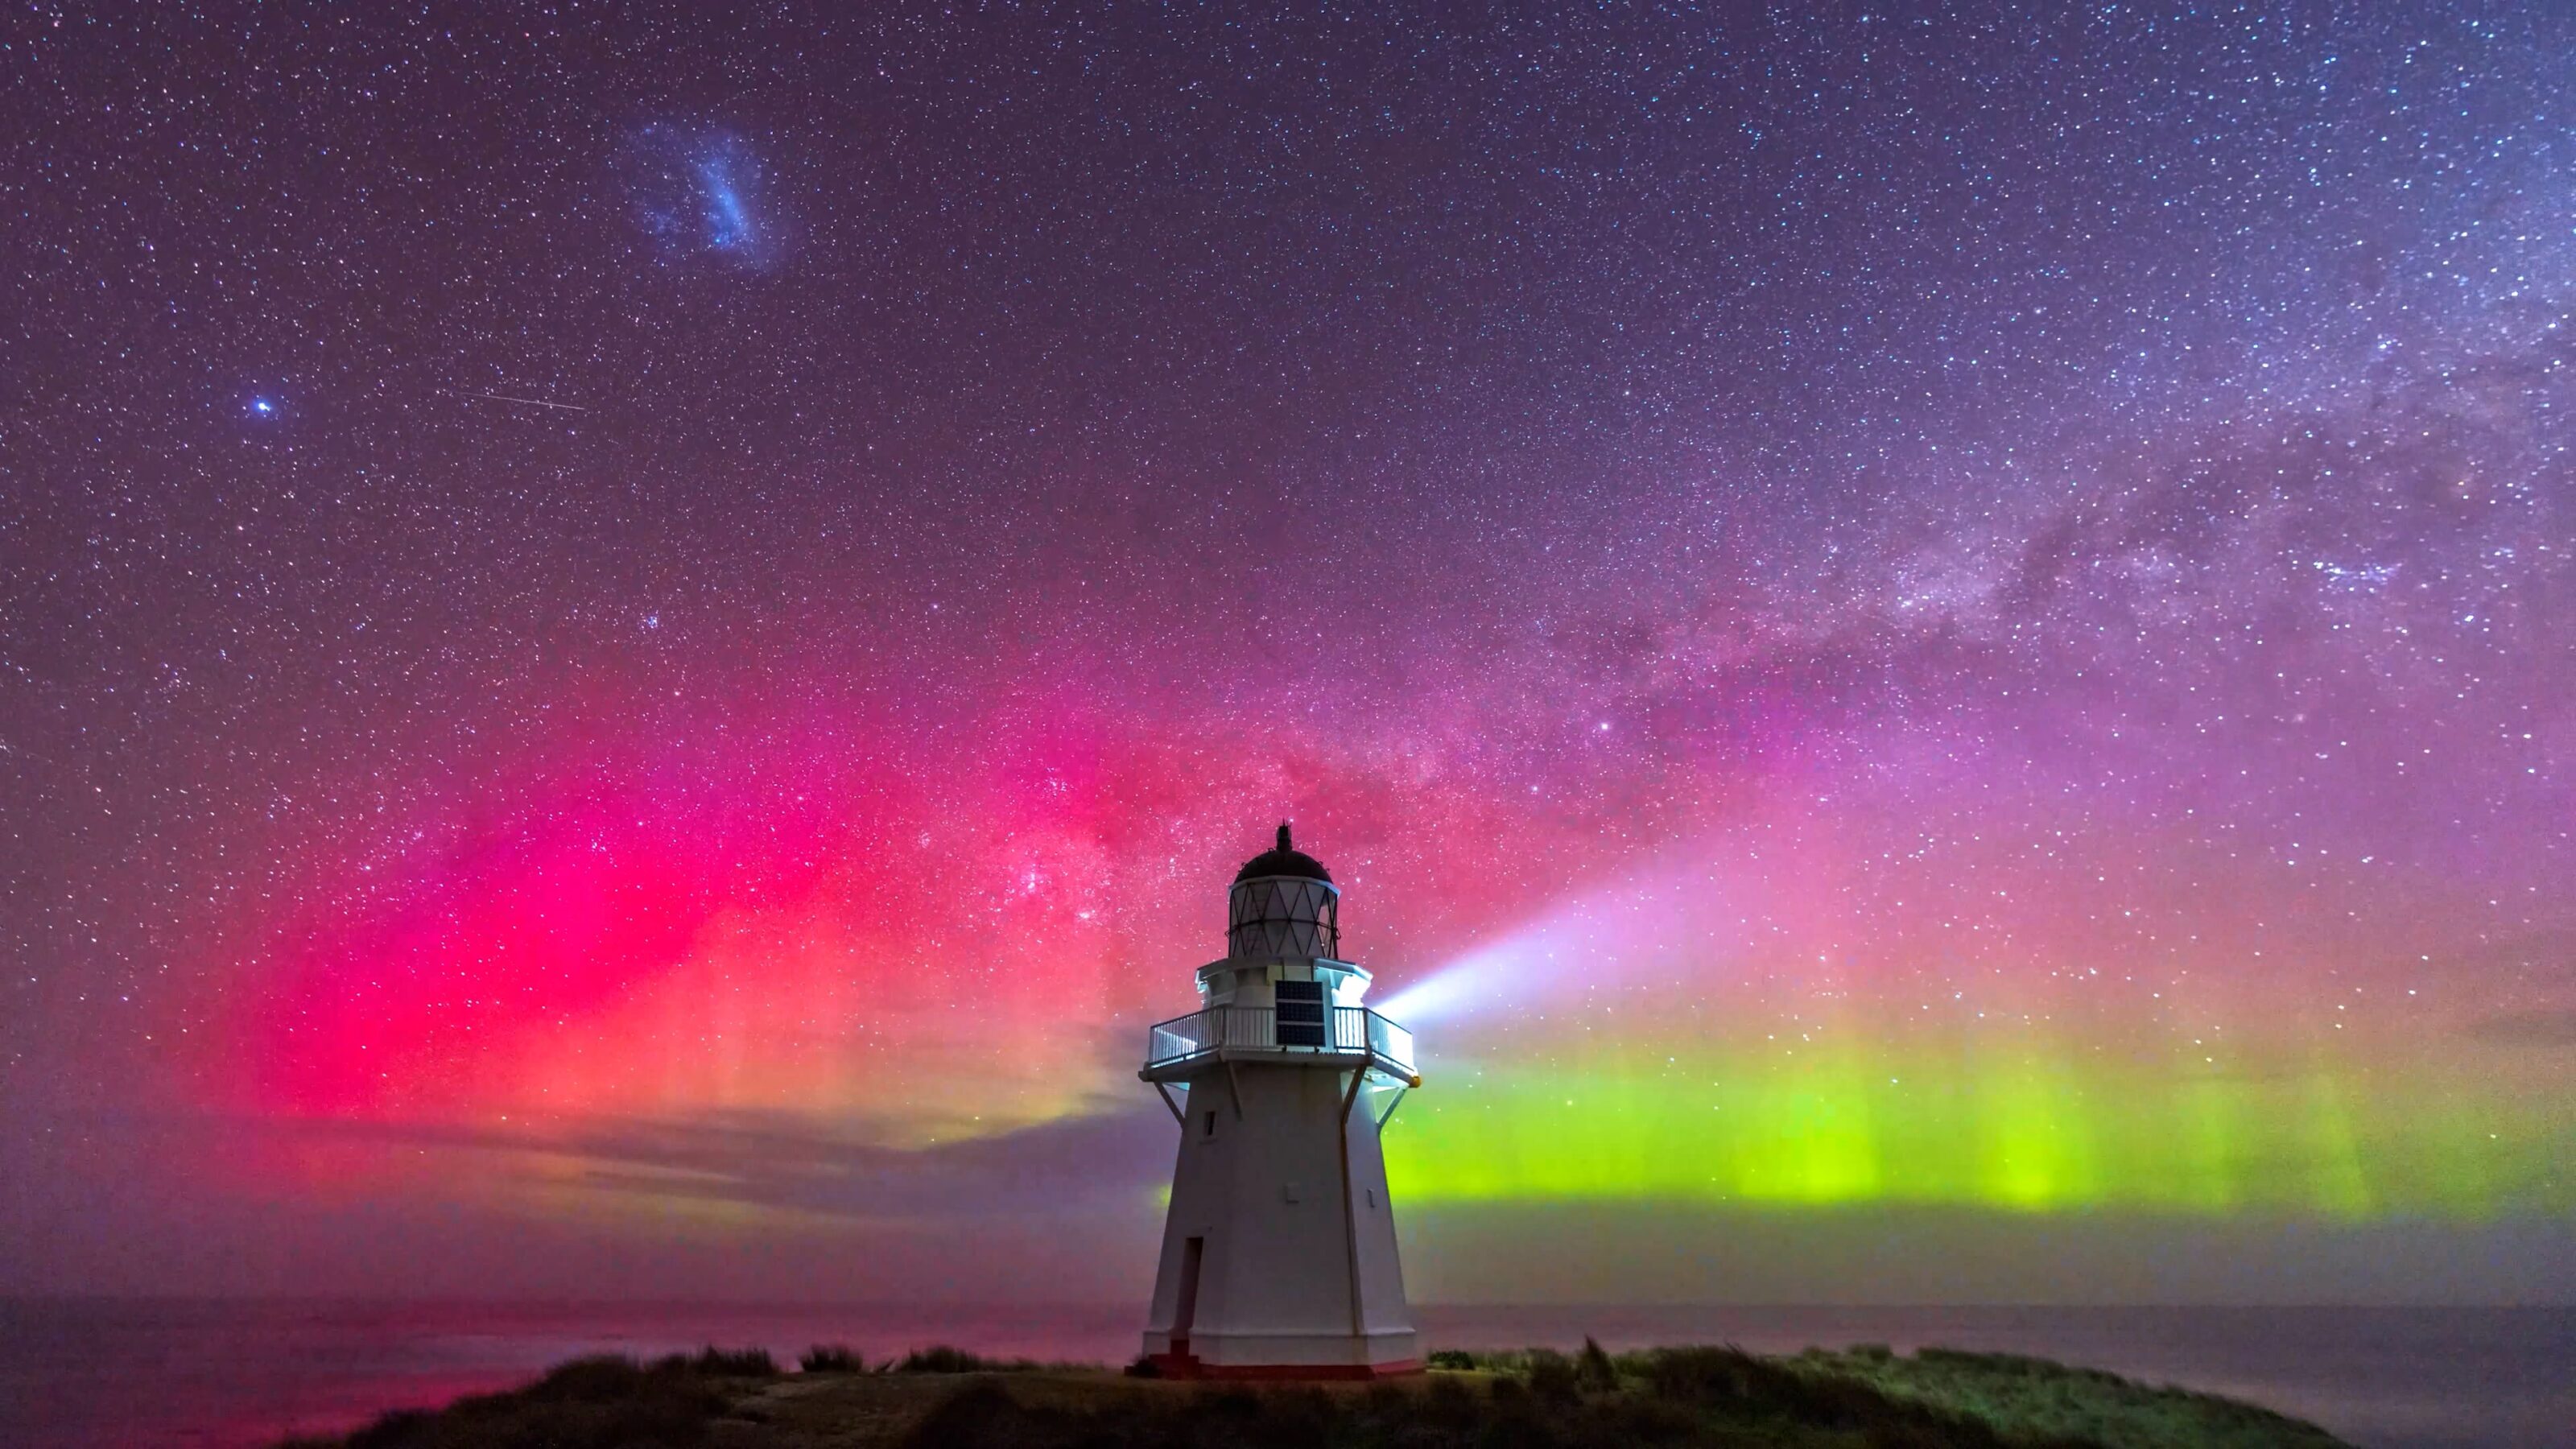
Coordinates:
<point>218,1374</point>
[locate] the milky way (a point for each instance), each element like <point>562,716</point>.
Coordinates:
<point>1957,612</point>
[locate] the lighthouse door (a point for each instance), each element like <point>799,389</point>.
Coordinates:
<point>1186,1312</point>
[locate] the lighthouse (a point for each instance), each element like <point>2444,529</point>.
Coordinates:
<point>1279,1255</point>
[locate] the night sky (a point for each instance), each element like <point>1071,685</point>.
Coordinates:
<point>1936,646</point>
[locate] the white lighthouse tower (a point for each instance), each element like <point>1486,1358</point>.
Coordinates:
<point>1279,1251</point>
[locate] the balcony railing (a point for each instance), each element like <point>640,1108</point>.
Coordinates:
<point>1347,1031</point>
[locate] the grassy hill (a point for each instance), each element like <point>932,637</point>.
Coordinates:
<point>1860,1398</point>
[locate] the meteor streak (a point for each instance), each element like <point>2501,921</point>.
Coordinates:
<point>534,402</point>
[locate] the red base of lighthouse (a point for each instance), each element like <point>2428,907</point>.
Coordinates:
<point>1188,1366</point>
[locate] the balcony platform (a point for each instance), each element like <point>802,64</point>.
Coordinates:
<point>1351,1038</point>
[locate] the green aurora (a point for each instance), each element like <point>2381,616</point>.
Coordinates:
<point>2012,1127</point>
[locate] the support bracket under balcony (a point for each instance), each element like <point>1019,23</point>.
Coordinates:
<point>1392,1103</point>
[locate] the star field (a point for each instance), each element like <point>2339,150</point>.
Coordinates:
<point>637,616</point>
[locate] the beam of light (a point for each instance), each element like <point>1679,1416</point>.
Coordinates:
<point>1604,935</point>
<point>1459,986</point>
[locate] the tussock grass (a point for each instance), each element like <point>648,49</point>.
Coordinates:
<point>2038,1400</point>
<point>747,1363</point>
<point>942,1358</point>
<point>832,1358</point>
<point>943,1397</point>
<point>590,1403</point>
<point>1864,1398</point>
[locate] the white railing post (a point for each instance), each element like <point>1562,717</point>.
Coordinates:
<point>1351,1029</point>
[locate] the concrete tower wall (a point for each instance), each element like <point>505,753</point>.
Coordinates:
<point>1284,1235</point>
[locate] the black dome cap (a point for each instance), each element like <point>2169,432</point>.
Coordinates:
<point>1283,859</point>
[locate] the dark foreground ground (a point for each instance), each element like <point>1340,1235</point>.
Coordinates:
<point>1861,1398</point>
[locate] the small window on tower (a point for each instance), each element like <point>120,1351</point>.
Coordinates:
<point>1301,1013</point>
<point>1207,1124</point>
